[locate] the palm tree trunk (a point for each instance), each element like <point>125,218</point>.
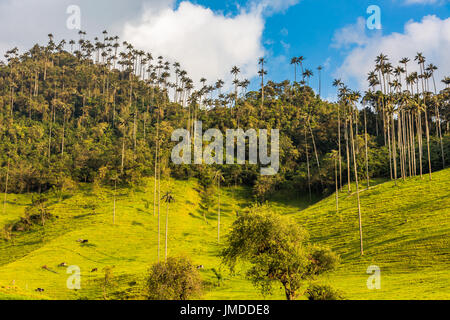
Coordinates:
<point>428,144</point>
<point>357,130</point>
<point>357,187</point>
<point>367,150</point>
<point>159,187</point>
<point>50,138</point>
<point>337,185</point>
<point>413,143</point>
<point>315,151</point>
<point>123,154</point>
<point>408,141</point>
<point>167,229</point>
<point>114,212</point>
<point>307,164</point>
<point>135,129</point>
<point>394,148</point>
<point>389,147</point>
<point>63,135</point>
<point>339,145</point>
<point>6,186</point>
<point>348,158</point>
<point>156,179</point>
<point>218,217</point>
<point>262,89</point>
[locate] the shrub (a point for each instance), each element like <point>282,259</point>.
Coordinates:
<point>323,292</point>
<point>176,279</point>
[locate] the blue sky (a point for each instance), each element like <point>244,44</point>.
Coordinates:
<point>308,28</point>
<point>208,37</point>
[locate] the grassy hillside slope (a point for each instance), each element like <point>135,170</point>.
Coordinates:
<point>406,234</point>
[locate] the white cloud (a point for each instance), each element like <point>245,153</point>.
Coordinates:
<point>274,6</point>
<point>326,64</point>
<point>424,1</point>
<point>26,22</point>
<point>207,44</point>
<point>431,36</point>
<point>350,35</point>
<point>286,46</point>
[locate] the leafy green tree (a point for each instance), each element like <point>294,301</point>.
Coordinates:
<point>278,251</point>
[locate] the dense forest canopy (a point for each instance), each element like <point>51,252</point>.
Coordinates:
<point>102,111</point>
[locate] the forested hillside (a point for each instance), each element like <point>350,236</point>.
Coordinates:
<point>103,111</point>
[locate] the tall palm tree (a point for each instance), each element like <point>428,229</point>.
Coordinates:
<point>168,198</point>
<point>300,61</point>
<point>218,178</point>
<point>307,74</point>
<point>431,69</point>
<point>115,178</point>
<point>421,61</point>
<point>307,164</point>
<point>262,73</point>
<point>294,61</point>
<point>338,83</point>
<point>219,85</point>
<point>6,184</point>
<point>319,69</point>
<point>235,71</point>
<point>344,92</point>
<point>367,149</point>
<point>334,155</point>
<point>446,81</point>
<point>352,99</point>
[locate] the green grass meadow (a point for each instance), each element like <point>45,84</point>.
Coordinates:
<point>406,232</point>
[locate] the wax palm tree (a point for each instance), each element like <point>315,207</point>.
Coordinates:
<point>307,163</point>
<point>115,177</point>
<point>307,74</point>
<point>294,61</point>
<point>367,146</point>
<point>334,156</point>
<point>319,69</point>
<point>235,71</point>
<point>168,198</point>
<point>446,81</point>
<point>338,83</point>
<point>344,92</point>
<point>6,184</point>
<point>218,178</point>
<point>421,61</point>
<point>431,69</point>
<point>219,85</point>
<point>353,98</point>
<point>262,72</point>
<point>300,61</point>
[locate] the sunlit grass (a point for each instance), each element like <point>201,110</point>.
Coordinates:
<point>406,231</point>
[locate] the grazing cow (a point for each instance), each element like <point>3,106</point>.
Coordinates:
<point>94,270</point>
<point>200,267</point>
<point>63,265</point>
<point>39,290</point>
<point>82,241</point>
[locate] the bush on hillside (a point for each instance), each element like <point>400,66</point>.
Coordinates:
<point>323,292</point>
<point>176,279</point>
